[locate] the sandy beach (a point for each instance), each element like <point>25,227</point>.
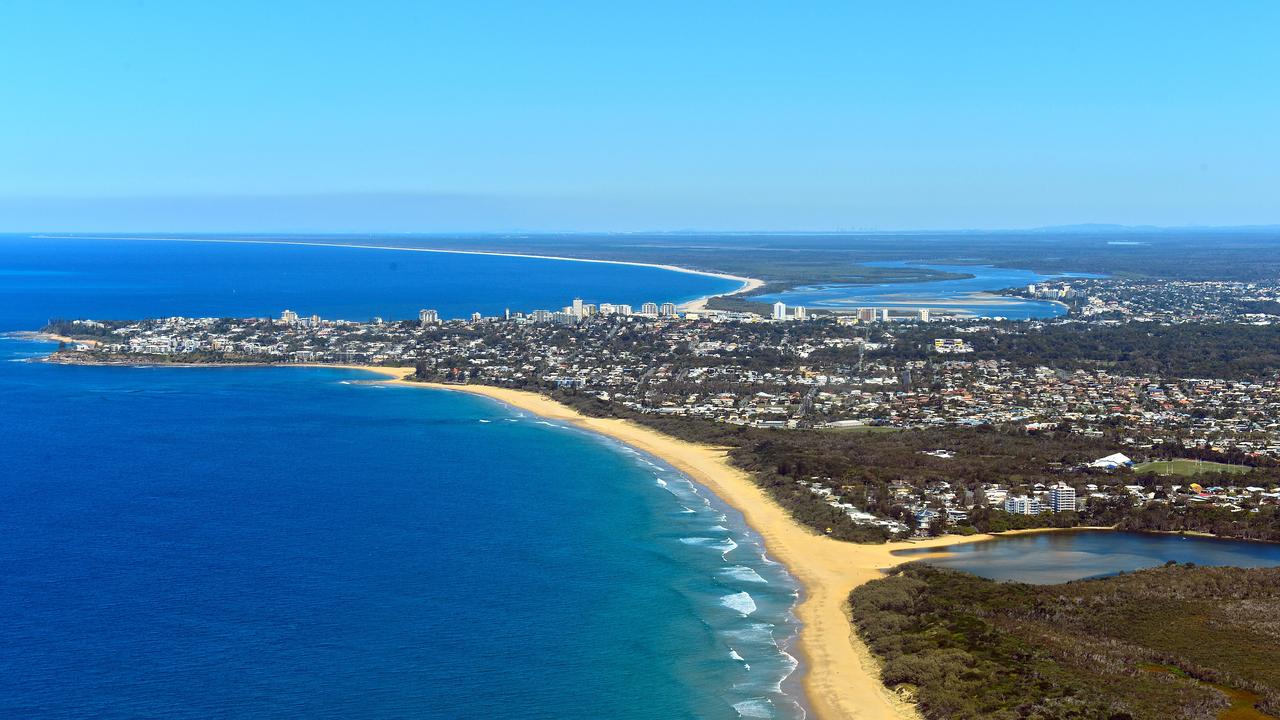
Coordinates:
<point>748,284</point>
<point>842,678</point>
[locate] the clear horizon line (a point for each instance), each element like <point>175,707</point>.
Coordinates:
<point>1080,228</point>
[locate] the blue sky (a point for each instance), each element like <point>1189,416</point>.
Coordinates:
<point>417,116</point>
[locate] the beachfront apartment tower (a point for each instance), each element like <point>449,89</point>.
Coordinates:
<point>1062,498</point>
<point>649,308</point>
<point>428,317</point>
<point>799,313</point>
<point>668,310</point>
<point>924,314</point>
<point>1023,505</point>
<point>779,310</point>
<point>577,308</point>
<point>289,317</point>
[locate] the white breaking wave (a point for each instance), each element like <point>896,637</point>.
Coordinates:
<point>734,654</point>
<point>754,708</point>
<point>753,634</point>
<point>742,573</point>
<point>792,664</point>
<point>724,546</point>
<point>741,603</point>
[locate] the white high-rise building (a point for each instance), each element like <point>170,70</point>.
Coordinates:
<point>884,314</point>
<point>799,313</point>
<point>649,308</point>
<point>289,316</point>
<point>924,314</point>
<point>589,310</point>
<point>577,308</point>
<point>622,309</point>
<point>1024,505</point>
<point>779,310</point>
<point>607,309</point>
<point>428,317</point>
<point>1062,498</point>
<point>668,310</point>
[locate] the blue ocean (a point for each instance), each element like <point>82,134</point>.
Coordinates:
<point>303,542</point>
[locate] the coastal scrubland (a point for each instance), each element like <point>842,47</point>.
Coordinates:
<point>1173,642</point>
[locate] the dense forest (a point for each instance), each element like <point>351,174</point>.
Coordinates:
<point>1190,350</point>
<point>1139,646</point>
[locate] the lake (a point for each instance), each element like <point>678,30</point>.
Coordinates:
<point>1054,557</point>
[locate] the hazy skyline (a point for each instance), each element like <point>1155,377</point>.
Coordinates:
<point>405,117</point>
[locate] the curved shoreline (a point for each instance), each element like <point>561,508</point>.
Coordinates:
<point>697,304</point>
<point>838,674</point>
<point>841,677</point>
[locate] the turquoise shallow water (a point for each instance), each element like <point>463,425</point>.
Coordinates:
<point>294,542</point>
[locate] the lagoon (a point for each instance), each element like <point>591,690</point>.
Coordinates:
<point>1062,556</point>
<point>969,295</point>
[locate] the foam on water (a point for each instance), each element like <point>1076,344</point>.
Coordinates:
<point>740,602</point>
<point>754,708</point>
<point>742,573</point>
<point>753,634</point>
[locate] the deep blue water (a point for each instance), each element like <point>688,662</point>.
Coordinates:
<point>122,279</point>
<point>1062,556</point>
<point>954,295</point>
<point>300,542</point>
